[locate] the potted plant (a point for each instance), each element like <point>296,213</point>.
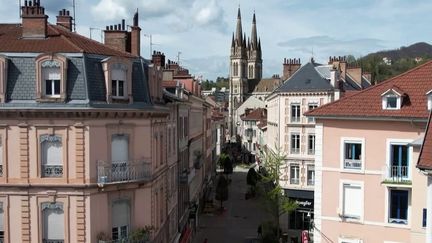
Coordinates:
<point>141,234</point>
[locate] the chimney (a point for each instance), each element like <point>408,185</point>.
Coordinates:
<point>355,72</point>
<point>290,66</point>
<point>117,37</point>
<point>334,77</point>
<point>64,19</point>
<point>158,59</point>
<point>34,20</point>
<point>340,63</point>
<point>135,40</point>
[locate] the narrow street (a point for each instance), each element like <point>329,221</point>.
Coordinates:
<point>240,219</point>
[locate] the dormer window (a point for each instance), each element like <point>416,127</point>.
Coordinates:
<point>118,79</point>
<point>429,100</point>
<point>51,73</point>
<point>392,99</point>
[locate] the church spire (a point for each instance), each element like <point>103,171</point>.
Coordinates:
<point>254,37</point>
<point>232,41</point>
<point>239,31</point>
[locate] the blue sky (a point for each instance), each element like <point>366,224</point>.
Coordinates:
<point>201,29</point>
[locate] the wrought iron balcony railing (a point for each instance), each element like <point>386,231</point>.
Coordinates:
<point>295,150</point>
<point>1,174</point>
<point>52,170</point>
<point>123,171</point>
<point>311,182</point>
<point>398,173</point>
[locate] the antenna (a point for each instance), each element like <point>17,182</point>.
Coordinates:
<point>74,19</point>
<point>19,3</point>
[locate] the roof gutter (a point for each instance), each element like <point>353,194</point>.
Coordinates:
<point>382,118</point>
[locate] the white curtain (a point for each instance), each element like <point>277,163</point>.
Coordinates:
<point>53,224</point>
<point>52,153</point>
<point>120,148</point>
<point>352,200</point>
<point>120,214</point>
<point>49,73</point>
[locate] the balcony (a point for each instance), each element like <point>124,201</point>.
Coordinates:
<point>52,171</point>
<point>397,175</point>
<point>352,164</point>
<point>123,171</point>
<point>294,181</point>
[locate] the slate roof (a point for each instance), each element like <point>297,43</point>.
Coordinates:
<point>368,103</point>
<point>425,157</point>
<point>307,78</point>
<point>58,40</point>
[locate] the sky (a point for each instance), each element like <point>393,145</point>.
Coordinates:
<point>199,32</point>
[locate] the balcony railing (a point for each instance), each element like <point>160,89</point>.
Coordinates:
<point>311,182</point>
<point>352,164</point>
<point>311,151</point>
<point>295,150</point>
<point>295,181</point>
<point>398,173</point>
<point>123,171</point>
<point>49,241</point>
<point>1,174</point>
<point>295,119</point>
<point>52,170</point>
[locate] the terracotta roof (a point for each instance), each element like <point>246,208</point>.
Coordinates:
<point>414,83</point>
<point>254,115</point>
<point>58,40</point>
<point>425,157</point>
<point>267,85</point>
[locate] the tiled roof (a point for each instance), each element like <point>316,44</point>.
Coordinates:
<point>425,157</point>
<point>368,103</point>
<point>255,115</point>
<point>267,85</point>
<point>58,40</point>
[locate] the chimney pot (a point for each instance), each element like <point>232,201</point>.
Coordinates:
<point>123,24</point>
<point>119,27</point>
<point>67,13</point>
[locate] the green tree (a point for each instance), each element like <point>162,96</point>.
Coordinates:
<point>272,193</point>
<point>222,190</point>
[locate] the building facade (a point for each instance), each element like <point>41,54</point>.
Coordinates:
<point>367,186</point>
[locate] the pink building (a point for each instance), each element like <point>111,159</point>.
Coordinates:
<point>83,135</point>
<point>367,187</point>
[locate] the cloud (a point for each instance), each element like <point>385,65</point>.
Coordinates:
<point>210,67</point>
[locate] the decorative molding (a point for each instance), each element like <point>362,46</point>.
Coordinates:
<point>50,138</point>
<point>50,64</point>
<point>51,205</point>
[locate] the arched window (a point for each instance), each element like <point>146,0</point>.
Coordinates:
<point>51,76</point>
<point>51,155</point>
<point>118,80</point>
<point>53,222</point>
<point>51,73</point>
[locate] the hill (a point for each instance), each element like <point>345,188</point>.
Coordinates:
<point>386,64</point>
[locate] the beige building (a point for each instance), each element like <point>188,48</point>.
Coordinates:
<point>367,186</point>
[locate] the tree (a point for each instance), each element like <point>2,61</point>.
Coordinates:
<point>273,199</point>
<point>222,190</point>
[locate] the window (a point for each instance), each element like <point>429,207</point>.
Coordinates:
<point>118,81</point>
<point>392,99</point>
<point>398,206</point>
<point>1,156</point>
<point>352,155</point>
<point>51,74</point>
<point>120,220</point>
<point>310,175</point>
<point>1,223</point>
<point>53,222</point>
<point>3,78</point>
<point>119,156</point>
<point>52,156</point>
<point>312,106</point>
<point>311,144</point>
<point>254,133</point>
<point>391,102</point>
<point>294,174</point>
<point>424,220</point>
<point>51,70</point>
<point>295,143</point>
<point>295,113</point>
<point>429,100</point>
<point>254,147</point>
<point>399,159</point>
<point>351,201</point>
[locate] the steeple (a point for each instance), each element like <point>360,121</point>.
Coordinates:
<point>239,31</point>
<point>232,42</point>
<point>254,38</point>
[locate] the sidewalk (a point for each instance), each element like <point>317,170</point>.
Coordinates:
<point>240,219</point>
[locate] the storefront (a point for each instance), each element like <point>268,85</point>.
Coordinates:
<point>300,219</point>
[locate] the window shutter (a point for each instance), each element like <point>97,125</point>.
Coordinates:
<point>120,214</point>
<point>51,73</point>
<point>120,148</point>
<point>352,200</point>
<point>118,74</point>
<point>53,224</point>
<point>52,153</point>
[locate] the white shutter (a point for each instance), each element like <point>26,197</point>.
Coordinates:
<point>1,217</point>
<point>120,214</point>
<point>51,73</point>
<point>53,224</point>
<point>118,74</point>
<point>52,153</point>
<point>352,201</point>
<point>120,148</point>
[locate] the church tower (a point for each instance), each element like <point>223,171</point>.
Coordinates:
<point>254,54</point>
<point>238,73</point>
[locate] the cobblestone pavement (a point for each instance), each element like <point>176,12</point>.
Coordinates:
<point>240,219</point>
